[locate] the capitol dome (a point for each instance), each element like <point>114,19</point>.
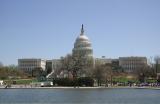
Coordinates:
<point>82,45</point>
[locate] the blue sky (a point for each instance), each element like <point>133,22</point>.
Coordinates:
<point>48,28</point>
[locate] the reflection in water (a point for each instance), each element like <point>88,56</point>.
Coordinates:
<point>80,96</point>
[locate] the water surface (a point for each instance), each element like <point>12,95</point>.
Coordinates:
<point>79,96</point>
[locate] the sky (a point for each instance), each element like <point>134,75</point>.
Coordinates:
<point>48,28</point>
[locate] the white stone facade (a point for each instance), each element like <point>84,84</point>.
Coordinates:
<point>28,65</point>
<point>103,61</point>
<point>129,64</point>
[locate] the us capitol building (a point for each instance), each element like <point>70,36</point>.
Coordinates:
<point>82,49</point>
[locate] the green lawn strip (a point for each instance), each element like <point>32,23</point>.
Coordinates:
<point>20,81</point>
<point>123,80</point>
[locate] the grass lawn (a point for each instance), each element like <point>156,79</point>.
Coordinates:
<point>124,80</point>
<point>20,81</point>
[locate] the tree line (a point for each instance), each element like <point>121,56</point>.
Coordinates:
<point>11,71</point>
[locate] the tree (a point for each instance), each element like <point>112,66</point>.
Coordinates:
<point>98,74</point>
<point>10,71</point>
<point>143,73</point>
<point>39,73</point>
<point>13,67</point>
<point>103,74</point>
<point>1,64</point>
<point>77,65</point>
<point>67,63</point>
<point>157,67</point>
<point>108,73</point>
<point>82,64</point>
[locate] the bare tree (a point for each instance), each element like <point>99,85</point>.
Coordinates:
<point>78,65</point>
<point>108,73</point>
<point>103,74</point>
<point>156,58</point>
<point>98,74</point>
<point>82,65</point>
<point>1,64</point>
<point>157,67</point>
<point>144,72</point>
<point>67,63</point>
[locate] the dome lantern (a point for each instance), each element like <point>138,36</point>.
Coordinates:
<point>82,30</point>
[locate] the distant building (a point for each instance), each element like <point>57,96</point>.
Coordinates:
<point>102,61</point>
<point>56,64</point>
<point>49,66</point>
<point>52,66</point>
<point>27,65</point>
<point>115,65</point>
<point>115,62</point>
<point>158,68</point>
<point>129,64</point>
